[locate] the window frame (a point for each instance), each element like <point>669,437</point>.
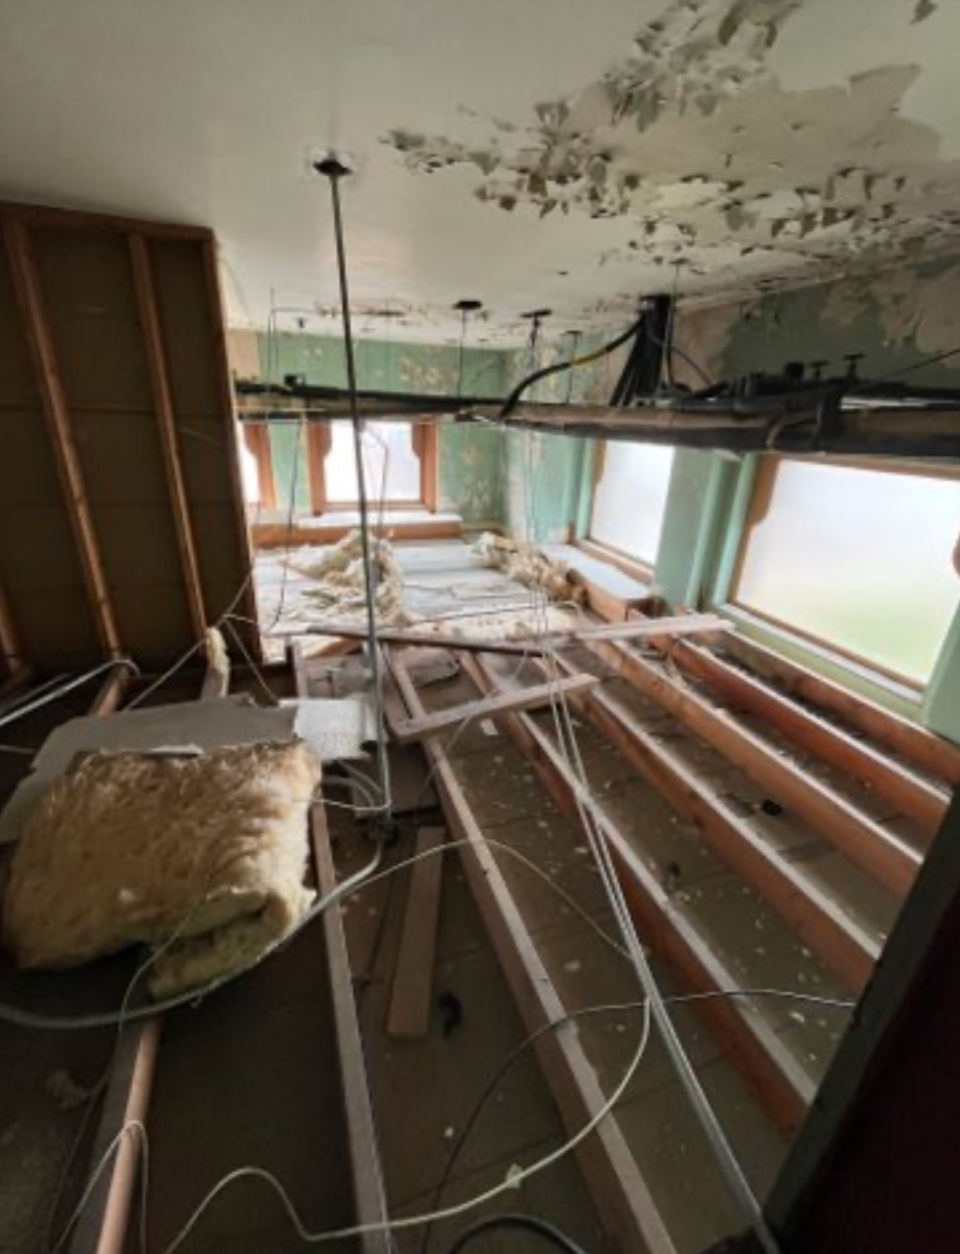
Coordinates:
<point>750,503</point>
<point>319,438</point>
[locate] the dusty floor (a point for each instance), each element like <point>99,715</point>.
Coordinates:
<point>252,1076</point>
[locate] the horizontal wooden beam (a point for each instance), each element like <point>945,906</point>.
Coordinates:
<point>784,1089</point>
<point>411,730</point>
<point>56,412</point>
<point>914,743</point>
<point>683,625</point>
<point>623,1200</point>
<point>912,796</point>
<point>891,861</point>
<point>819,921</point>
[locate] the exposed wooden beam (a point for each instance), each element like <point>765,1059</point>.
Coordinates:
<point>167,428</point>
<point>368,1184</point>
<point>819,921</point>
<point>56,412</point>
<point>622,1197</point>
<point>411,997</point>
<point>684,625</point>
<point>890,860</point>
<point>912,742</point>
<point>411,730</point>
<point>221,360</point>
<point>318,446</point>
<point>10,645</point>
<point>782,1086</point>
<point>256,436</point>
<point>912,796</point>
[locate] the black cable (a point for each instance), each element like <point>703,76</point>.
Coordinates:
<point>513,399</point>
<point>896,374</point>
<point>525,1223</point>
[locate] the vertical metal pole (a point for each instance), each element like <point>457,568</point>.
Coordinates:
<point>334,170</point>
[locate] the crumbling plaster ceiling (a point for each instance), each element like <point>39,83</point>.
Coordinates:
<point>527,152</point>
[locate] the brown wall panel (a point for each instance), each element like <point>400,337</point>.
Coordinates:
<point>81,277</point>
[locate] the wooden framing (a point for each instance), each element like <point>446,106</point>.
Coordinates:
<point>783,1088</point>
<point>256,436</point>
<point>231,436</point>
<point>918,746</point>
<point>411,997</point>
<point>57,416</point>
<point>688,624</point>
<point>912,796</point>
<point>167,428</point>
<point>426,445</point>
<point>10,646</point>
<point>318,446</point>
<point>411,730</point>
<point>622,1198</point>
<point>817,919</point>
<point>369,1190</point>
<point>890,860</point>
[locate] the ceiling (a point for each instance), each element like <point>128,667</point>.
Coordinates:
<point>559,153</point>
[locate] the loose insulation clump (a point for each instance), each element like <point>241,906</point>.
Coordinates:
<point>200,856</point>
<point>341,587</point>
<point>525,563</point>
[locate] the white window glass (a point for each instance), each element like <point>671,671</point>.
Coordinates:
<point>391,466</point>
<point>630,498</point>
<point>859,558</point>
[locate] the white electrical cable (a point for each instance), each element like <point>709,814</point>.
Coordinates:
<point>569,749</point>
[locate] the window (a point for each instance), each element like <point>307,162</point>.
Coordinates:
<point>314,463</point>
<point>858,558</point>
<point>630,497</point>
<point>391,464</point>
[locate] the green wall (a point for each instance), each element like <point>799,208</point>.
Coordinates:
<point>471,479</point>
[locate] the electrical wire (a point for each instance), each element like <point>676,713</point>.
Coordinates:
<point>19,1017</point>
<point>46,694</point>
<point>600,1009</point>
<point>515,1177</point>
<point>570,363</point>
<point>569,749</point>
<point>518,1223</point>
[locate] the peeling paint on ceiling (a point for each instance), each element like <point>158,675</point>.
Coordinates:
<point>525,152</point>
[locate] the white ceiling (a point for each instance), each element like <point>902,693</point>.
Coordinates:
<point>561,153</point>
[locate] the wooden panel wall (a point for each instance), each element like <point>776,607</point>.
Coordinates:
<point>121,519</point>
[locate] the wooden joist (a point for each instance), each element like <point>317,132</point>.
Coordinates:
<point>782,1086</point>
<point>819,921</point>
<point>410,730</point>
<point>368,1184</point>
<point>10,646</point>
<point>412,994</point>
<point>684,625</point>
<point>912,742</point>
<point>890,860</point>
<point>57,415</point>
<point>913,797</point>
<point>167,427</point>
<point>621,1195</point>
